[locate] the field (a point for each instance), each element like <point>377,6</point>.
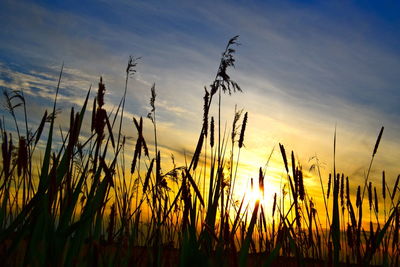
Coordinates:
<point>79,202</point>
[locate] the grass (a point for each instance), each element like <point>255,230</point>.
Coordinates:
<point>81,206</point>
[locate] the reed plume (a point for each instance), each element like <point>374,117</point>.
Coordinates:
<point>261,181</point>
<point>282,148</point>
<point>241,138</point>
<point>329,185</point>
<point>274,206</point>
<point>206,99</point>
<point>223,80</point>
<point>378,140</point>
<point>358,201</point>
<point>302,193</point>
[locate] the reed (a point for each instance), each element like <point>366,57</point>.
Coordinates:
<point>85,207</point>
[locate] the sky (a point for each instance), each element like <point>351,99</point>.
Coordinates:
<point>305,67</point>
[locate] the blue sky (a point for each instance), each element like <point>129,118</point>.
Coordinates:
<point>304,66</point>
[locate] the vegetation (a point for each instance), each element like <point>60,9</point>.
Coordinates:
<point>81,206</point>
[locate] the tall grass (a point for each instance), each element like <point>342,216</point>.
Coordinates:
<point>84,207</point>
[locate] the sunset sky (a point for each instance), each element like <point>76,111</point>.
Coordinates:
<point>304,67</point>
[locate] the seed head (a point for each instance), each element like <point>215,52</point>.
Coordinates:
<point>241,138</point>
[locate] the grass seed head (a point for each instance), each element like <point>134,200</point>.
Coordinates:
<point>205,111</point>
<point>301,185</point>
<point>212,129</point>
<point>282,148</point>
<point>378,140</point>
<point>261,181</point>
<point>274,205</point>
<point>329,185</point>
<point>241,138</point>
<point>358,201</point>
<point>100,93</point>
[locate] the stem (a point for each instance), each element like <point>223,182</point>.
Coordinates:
<point>323,191</point>
<point>155,132</point>
<point>122,110</point>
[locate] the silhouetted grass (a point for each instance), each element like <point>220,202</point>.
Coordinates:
<point>83,208</point>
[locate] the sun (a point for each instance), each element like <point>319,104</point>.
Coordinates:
<point>253,195</point>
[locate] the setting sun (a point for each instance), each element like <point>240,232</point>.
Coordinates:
<point>254,195</point>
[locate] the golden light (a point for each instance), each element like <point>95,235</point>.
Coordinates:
<point>254,195</point>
